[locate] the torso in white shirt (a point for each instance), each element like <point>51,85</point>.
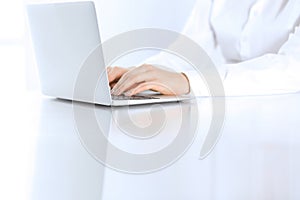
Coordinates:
<point>251,28</point>
<point>255,45</point>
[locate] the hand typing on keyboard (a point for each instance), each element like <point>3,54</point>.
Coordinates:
<point>132,81</point>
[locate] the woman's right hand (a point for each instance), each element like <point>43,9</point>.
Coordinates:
<point>134,80</point>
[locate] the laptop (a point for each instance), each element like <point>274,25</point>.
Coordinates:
<point>64,35</point>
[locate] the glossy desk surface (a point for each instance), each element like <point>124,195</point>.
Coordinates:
<point>45,156</point>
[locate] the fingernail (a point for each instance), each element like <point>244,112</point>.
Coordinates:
<point>127,93</point>
<point>116,92</point>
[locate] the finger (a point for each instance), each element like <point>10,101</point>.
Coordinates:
<point>116,73</point>
<point>143,87</point>
<point>128,91</point>
<point>135,76</point>
<point>152,85</point>
<point>131,81</point>
<point>113,74</point>
<point>133,72</point>
<point>112,84</point>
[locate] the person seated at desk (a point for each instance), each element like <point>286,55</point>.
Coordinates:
<point>255,45</point>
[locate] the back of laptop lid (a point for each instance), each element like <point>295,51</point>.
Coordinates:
<point>64,36</point>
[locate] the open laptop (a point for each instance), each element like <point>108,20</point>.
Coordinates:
<point>64,35</point>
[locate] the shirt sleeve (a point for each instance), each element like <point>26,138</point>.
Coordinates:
<point>269,74</point>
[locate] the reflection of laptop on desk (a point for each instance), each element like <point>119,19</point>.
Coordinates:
<point>64,36</point>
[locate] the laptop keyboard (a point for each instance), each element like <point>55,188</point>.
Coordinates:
<point>123,97</point>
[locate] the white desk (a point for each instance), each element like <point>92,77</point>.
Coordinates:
<point>257,157</point>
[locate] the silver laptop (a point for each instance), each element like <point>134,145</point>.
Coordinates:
<point>64,35</point>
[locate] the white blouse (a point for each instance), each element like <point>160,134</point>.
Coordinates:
<point>255,44</point>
